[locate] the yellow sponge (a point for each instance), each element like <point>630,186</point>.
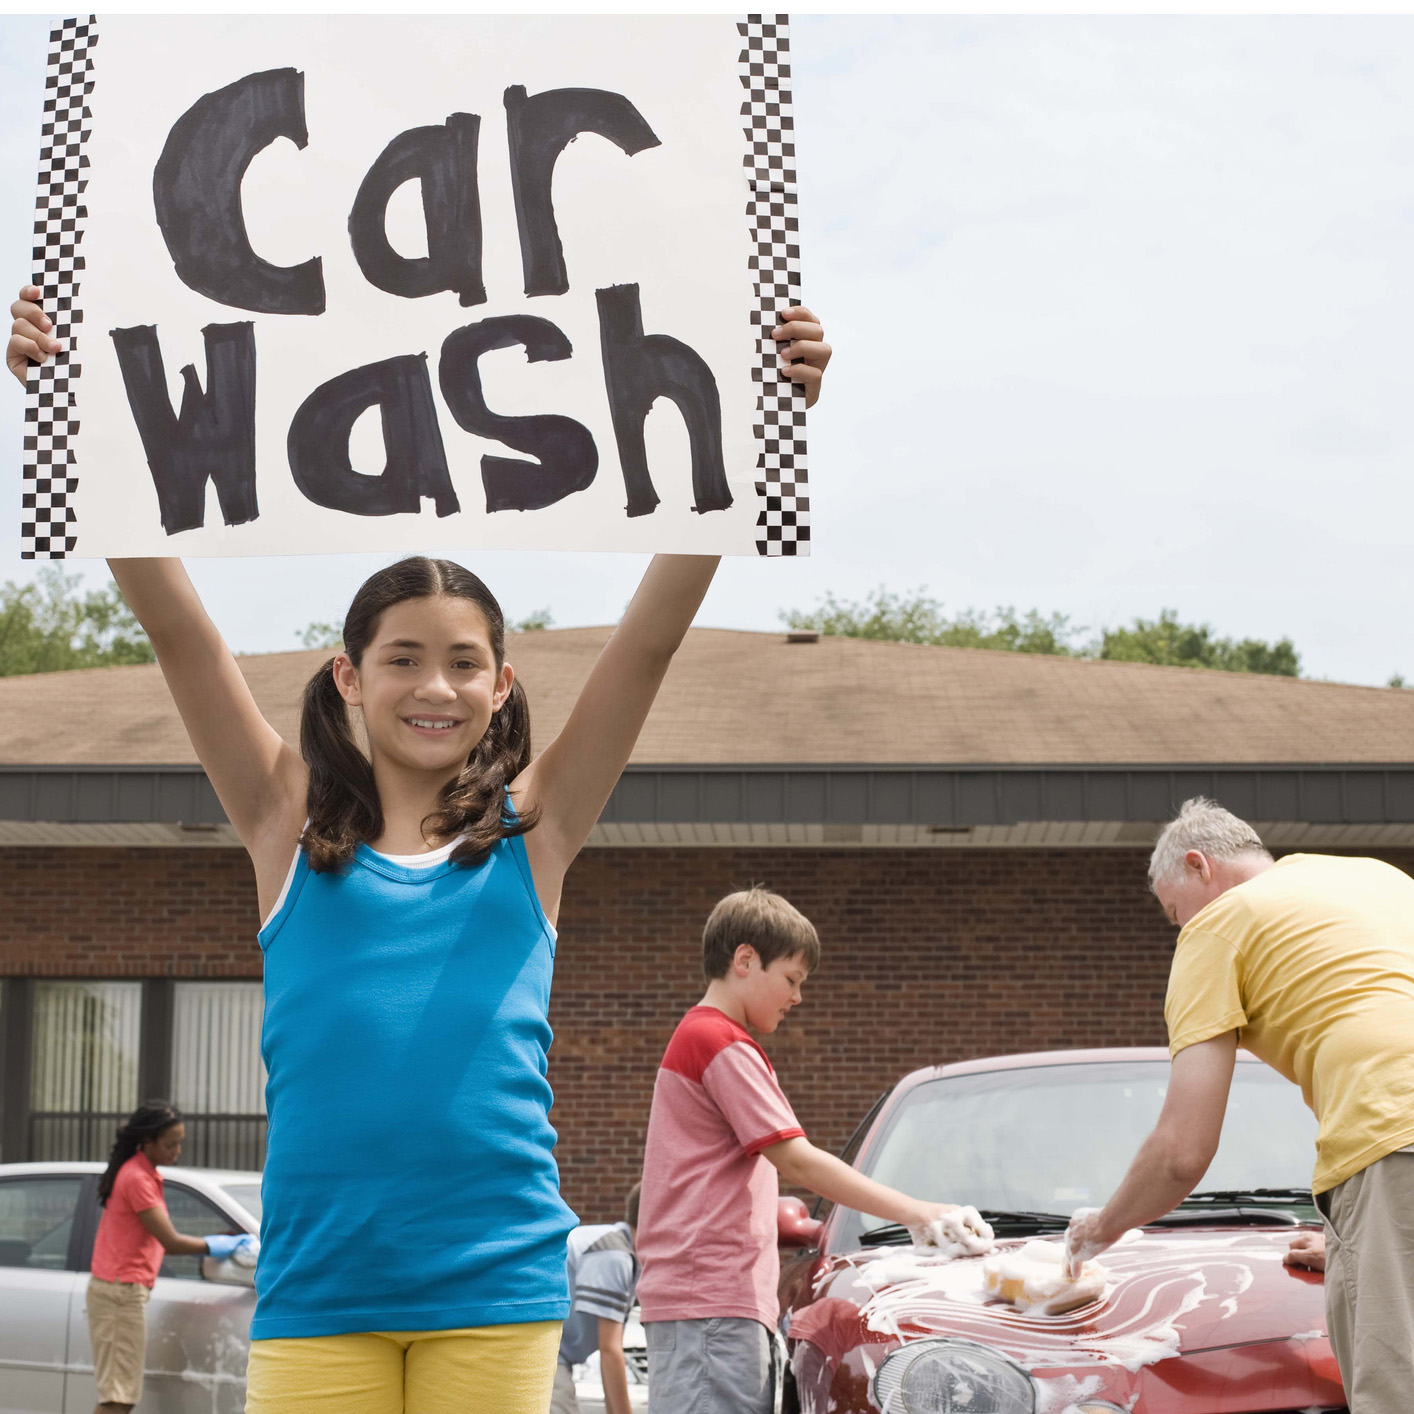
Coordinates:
<point>1033,1278</point>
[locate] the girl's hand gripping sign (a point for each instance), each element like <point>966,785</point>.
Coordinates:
<point>338,284</point>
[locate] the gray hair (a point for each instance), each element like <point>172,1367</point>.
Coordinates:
<point>1201,824</point>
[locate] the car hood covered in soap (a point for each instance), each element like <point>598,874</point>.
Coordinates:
<point>1190,1321</point>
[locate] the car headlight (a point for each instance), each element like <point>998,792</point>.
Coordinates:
<point>952,1377</point>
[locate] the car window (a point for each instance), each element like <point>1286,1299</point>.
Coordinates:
<point>193,1216</point>
<point>1055,1138</point>
<point>247,1195</point>
<point>36,1218</point>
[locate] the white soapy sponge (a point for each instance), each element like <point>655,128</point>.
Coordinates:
<point>246,1254</point>
<point>960,1233</point>
<point>1033,1279</point>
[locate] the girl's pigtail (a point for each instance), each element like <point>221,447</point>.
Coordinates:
<point>476,803</point>
<point>343,798</point>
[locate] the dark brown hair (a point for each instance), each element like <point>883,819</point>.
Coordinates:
<point>631,1204</point>
<point>762,920</point>
<point>343,805</point>
<point>149,1121</point>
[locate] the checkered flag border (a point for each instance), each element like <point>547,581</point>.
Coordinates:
<point>784,493</point>
<point>48,525</point>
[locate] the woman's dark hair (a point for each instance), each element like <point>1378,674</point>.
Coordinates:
<point>146,1122</point>
<point>343,805</point>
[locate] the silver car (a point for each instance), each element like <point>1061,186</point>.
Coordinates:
<point>198,1320</point>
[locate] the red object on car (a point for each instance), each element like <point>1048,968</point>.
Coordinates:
<point>1200,1314</point>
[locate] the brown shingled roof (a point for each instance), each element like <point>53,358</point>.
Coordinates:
<point>747,698</point>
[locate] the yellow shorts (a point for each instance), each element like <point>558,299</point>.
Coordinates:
<point>117,1330</point>
<point>486,1370</point>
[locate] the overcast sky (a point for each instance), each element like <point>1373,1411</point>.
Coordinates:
<point>1122,310</point>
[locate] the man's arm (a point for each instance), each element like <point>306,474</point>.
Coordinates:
<point>799,1162</point>
<point>613,1371</point>
<point>1173,1159</point>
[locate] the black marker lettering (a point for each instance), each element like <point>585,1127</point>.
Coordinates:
<point>539,129</point>
<point>318,443</point>
<point>196,188</point>
<point>213,437</point>
<point>568,456</point>
<point>639,368</point>
<point>443,161</point>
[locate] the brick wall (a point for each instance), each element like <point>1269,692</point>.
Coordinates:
<point>927,957</point>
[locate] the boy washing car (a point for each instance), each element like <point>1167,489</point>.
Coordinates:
<point>719,1133</point>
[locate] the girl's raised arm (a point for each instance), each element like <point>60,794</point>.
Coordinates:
<point>571,780</point>
<point>259,780</point>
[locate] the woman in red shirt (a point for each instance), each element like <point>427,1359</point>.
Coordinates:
<point>133,1234</point>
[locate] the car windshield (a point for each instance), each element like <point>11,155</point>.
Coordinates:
<point>1053,1138</point>
<point>247,1195</point>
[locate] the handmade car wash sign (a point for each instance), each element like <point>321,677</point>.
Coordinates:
<point>336,284</point>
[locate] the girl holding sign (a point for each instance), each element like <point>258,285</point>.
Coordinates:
<point>413,1244</point>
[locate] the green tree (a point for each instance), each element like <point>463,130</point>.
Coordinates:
<point>50,626</point>
<point>322,635</point>
<point>919,618</point>
<point>531,623</point>
<point>1165,640</point>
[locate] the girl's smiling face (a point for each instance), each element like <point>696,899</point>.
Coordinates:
<point>428,683</point>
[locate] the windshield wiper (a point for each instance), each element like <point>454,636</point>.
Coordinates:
<point>1239,1195</point>
<point>1004,1219</point>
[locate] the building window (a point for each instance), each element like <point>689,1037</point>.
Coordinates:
<point>84,1074</point>
<point>218,1077</point>
<point>77,1057</point>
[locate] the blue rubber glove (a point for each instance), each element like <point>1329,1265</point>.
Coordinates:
<point>223,1244</point>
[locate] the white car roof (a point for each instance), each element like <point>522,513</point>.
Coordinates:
<point>215,1177</point>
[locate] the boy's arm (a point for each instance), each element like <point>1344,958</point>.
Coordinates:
<point>800,1163</point>
<point>613,1372</point>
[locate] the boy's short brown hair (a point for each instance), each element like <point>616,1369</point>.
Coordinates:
<point>762,920</point>
<point>631,1205</point>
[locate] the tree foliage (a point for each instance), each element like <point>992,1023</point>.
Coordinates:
<point>49,626</point>
<point>321,635</point>
<point>919,618</point>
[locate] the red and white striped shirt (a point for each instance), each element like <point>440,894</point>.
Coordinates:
<point>707,1217</point>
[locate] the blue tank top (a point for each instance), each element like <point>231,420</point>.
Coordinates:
<point>409,1181</point>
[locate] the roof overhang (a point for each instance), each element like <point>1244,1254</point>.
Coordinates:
<point>923,806</point>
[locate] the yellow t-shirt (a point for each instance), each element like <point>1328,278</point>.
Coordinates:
<point>1313,962</point>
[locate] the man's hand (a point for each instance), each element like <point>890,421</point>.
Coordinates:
<point>31,334</point>
<point>1308,1249</point>
<point>804,353</point>
<point>1084,1240</point>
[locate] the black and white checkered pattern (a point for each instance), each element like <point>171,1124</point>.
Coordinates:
<point>784,521</point>
<point>48,527</point>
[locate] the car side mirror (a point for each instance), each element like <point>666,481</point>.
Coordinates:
<point>224,1272</point>
<point>794,1225</point>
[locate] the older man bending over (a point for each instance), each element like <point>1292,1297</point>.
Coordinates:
<point>1309,963</point>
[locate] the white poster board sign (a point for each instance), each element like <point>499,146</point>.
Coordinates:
<point>387,284</point>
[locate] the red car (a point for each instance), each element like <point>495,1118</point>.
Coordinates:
<point>1199,1315</point>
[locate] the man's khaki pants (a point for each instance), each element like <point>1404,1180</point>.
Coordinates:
<point>1370,1283</point>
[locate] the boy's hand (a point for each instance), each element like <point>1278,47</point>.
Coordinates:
<point>800,341</point>
<point>1308,1249</point>
<point>31,334</point>
<point>945,1225</point>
